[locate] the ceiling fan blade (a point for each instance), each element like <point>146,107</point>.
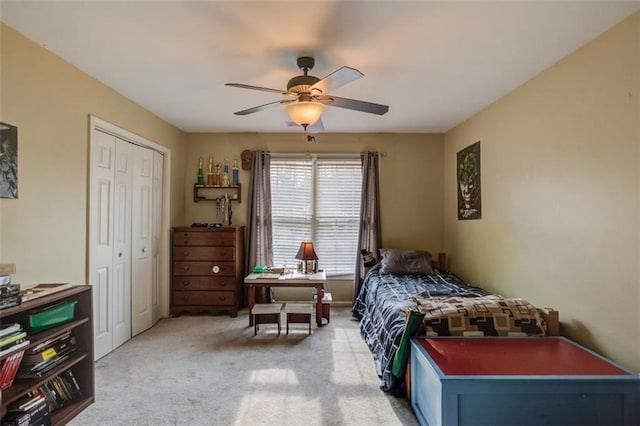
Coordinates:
<point>353,104</point>
<point>263,89</point>
<point>261,107</point>
<point>336,79</point>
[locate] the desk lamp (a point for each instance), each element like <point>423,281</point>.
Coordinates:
<point>309,258</point>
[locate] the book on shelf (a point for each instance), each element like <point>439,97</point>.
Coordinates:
<point>72,383</point>
<point>31,373</point>
<point>26,419</point>
<point>11,338</point>
<point>26,403</point>
<point>10,302</point>
<point>47,343</point>
<point>49,396</point>
<point>9,369</point>
<point>52,348</point>
<point>44,366</point>
<point>18,344</point>
<point>29,411</point>
<point>10,328</point>
<point>60,389</point>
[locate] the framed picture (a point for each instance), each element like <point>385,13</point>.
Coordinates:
<point>468,171</point>
<point>8,161</point>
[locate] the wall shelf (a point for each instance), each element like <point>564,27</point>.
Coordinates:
<point>212,192</point>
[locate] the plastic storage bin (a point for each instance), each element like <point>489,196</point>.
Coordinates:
<point>49,317</point>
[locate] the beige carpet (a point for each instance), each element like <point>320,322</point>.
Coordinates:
<point>212,370</point>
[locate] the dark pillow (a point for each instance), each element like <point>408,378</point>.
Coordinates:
<point>407,262</point>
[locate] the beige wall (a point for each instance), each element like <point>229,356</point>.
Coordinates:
<point>560,194</point>
<point>44,230</point>
<point>410,181</point>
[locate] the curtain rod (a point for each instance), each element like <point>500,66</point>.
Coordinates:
<point>322,154</point>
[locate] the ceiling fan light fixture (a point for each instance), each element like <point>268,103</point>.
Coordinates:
<point>305,113</point>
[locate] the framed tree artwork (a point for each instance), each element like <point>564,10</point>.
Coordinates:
<point>8,161</point>
<point>468,173</point>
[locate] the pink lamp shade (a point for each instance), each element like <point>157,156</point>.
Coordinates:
<point>308,255</point>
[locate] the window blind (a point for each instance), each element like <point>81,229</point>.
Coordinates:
<point>316,200</point>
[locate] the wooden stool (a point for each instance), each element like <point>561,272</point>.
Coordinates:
<point>298,313</point>
<point>266,313</point>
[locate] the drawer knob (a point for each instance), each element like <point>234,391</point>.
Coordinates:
<point>186,253</point>
<point>222,284</point>
<point>215,269</point>
<point>186,268</point>
<point>222,298</point>
<point>186,283</point>
<point>186,241</point>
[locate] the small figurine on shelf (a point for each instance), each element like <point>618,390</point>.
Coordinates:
<point>210,172</point>
<point>200,177</point>
<point>218,174</point>
<point>225,173</point>
<point>234,179</point>
<point>226,209</point>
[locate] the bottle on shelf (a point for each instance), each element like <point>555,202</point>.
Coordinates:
<point>210,172</point>
<point>235,171</point>
<point>200,177</point>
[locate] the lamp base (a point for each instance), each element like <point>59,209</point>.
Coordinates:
<point>309,266</point>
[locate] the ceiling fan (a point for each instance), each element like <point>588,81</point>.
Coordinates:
<point>308,95</point>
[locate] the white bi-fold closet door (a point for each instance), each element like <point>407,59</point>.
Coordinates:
<point>125,217</point>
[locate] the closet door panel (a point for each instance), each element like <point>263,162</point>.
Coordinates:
<point>158,178</point>
<point>103,154</point>
<point>142,244</point>
<point>122,243</point>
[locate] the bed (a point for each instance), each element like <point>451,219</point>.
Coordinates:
<point>447,305</point>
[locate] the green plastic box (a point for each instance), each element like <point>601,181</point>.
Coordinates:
<point>51,316</point>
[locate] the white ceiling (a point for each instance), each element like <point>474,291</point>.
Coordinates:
<point>435,63</point>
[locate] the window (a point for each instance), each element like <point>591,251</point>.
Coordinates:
<point>316,199</point>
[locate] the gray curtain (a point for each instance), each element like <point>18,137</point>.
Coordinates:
<point>369,233</point>
<point>258,238</point>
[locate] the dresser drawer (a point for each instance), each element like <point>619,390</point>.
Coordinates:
<point>181,283</point>
<point>215,298</point>
<point>187,238</point>
<point>203,253</point>
<point>204,268</point>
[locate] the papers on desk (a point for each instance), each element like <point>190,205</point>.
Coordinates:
<point>268,276</point>
<point>299,276</point>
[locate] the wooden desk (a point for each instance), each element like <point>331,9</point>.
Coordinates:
<point>518,380</point>
<point>317,281</point>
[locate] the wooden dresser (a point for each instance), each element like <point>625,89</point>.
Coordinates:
<point>207,270</point>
